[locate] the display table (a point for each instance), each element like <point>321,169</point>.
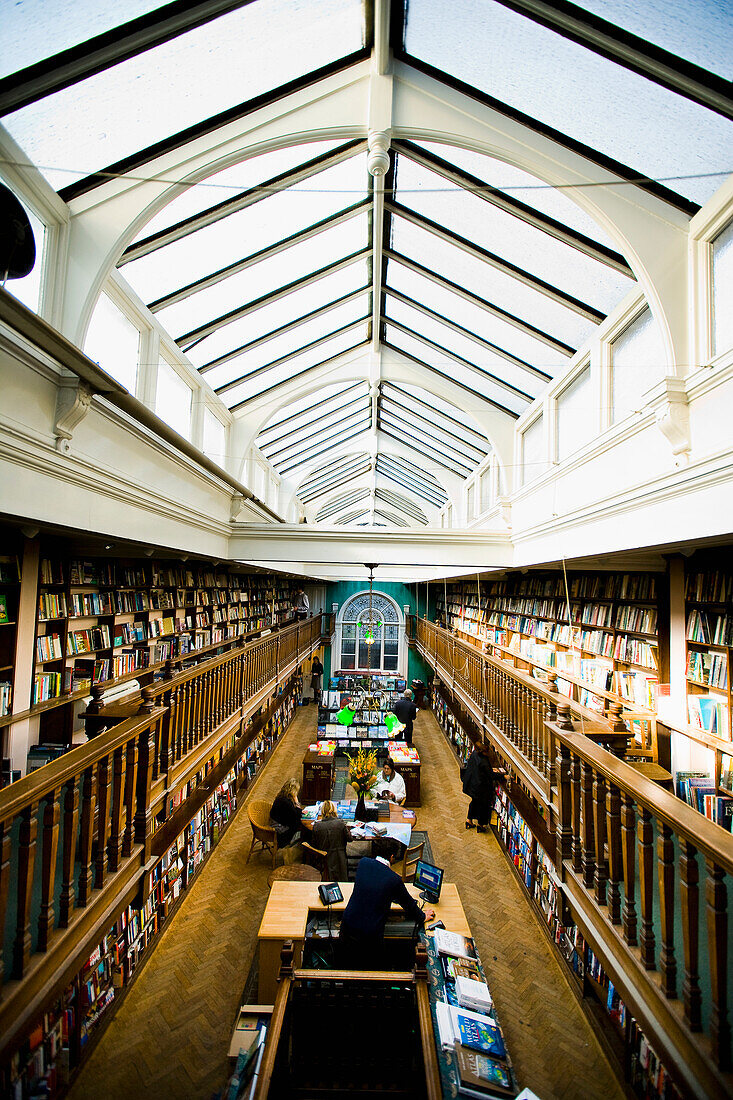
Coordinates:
<point>399,821</point>
<point>290,906</point>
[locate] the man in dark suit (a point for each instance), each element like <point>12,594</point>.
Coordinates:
<point>361,936</point>
<point>406,711</point>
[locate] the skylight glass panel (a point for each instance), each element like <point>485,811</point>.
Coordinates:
<point>232,181</point>
<point>265,277</point>
<point>487,282</point>
<point>226,62</point>
<point>523,187</point>
<point>474,379</point>
<point>534,451</point>
<point>637,362</point>
<point>336,345</point>
<point>173,398</point>
<point>448,434</point>
<point>509,237</point>
<point>440,413</point>
<point>568,87</point>
<point>700,32</point>
<point>37,29</point>
<point>294,412</point>
<point>322,428</point>
<point>722,288</point>
<point>275,314</point>
<point>288,342</point>
<point>215,438</point>
<point>462,345</point>
<point>474,318</point>
<point>248,231</point>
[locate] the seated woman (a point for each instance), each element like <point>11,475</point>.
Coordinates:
<point>286,814</point>
<point>331,835</point>
<point>391,785</point>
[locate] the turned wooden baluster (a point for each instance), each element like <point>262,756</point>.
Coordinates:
<point>115,829</point>
<point>576,800</point>
<point>49,851</point>
<point>538,734</point>
<point>5,853</point>
<point>143,811</point>
<point>716,897</point>
<point>665,870</point>
<point>104,788</point>
<point>599,829</point>
<point>191,732</point>
<point>647,945</point>
<point>130,787</point>
<point>615,867</point>
<point>628,851</point>
<point>86,837</point>
<point>184,718</point>
<point>589,847</point>
<point>690,899</point>
<point>26,866</point>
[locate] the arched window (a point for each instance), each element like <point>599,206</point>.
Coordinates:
<point>370,642</point>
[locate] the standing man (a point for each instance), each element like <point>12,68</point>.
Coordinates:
<point>316,674</point>
<point>406,711</point>
<point>301,607</point>
<point>361,936</point>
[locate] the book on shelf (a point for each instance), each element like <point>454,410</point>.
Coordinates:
<point>453,967</point>
<point>472,1030</point>
<point>708,713</point>
<point>3,608</point>
<point>473,993</point>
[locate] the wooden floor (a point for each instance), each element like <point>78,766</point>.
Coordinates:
<point>170,1036</point>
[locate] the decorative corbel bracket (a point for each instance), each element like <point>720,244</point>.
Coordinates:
<point>672,416</point>
<point>73,401</point>
<point>505,511</point>
<point>236,506</point>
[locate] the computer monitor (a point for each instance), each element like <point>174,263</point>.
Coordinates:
<point>428,880</point>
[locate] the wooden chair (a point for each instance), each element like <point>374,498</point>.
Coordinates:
<point>258,812</point>
<point>409,861</point>
<point>315,857</point>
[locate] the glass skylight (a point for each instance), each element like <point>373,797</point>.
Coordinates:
<point>217,66</point>
<point>272,315</point>
<point>509,237</point>
<point>568,87</point>
<point>265,277</point>
<point>231,181</point>
<point>520,185</point>
<point>486,282</point>
<point>37,29</point>
<point>474,318</point>
<point>700,32</point>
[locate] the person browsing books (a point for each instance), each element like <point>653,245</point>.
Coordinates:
<point>377,886</point>
<point>331,835</point>
<point>406,711</point>
<point>316,674</point>
<point>478,784</point>
<point>301,605</point>
<point>391,785</point>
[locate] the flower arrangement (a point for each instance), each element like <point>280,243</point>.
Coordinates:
<point>363,770</point>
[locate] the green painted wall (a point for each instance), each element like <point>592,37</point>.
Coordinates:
<point>403,595</point>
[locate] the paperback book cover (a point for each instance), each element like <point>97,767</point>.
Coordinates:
<point>453,943</point>
<point>480,1075</point>
<point>477,1032</point>
<point>453,966</point>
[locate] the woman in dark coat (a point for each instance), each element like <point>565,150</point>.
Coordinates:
<point>478,784</point>
<point>286,814</point>
<point>331,835</point>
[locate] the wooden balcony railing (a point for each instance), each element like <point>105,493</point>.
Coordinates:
<point>635,862</point>
<point>76,836</point>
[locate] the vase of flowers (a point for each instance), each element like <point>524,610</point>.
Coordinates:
<point>363,777</point>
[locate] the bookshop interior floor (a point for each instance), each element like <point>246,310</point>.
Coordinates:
<point>169,1037</point>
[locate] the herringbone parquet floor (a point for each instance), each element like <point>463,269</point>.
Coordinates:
<point>170,1036</point>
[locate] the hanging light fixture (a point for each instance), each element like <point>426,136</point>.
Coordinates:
<point>370,623</point>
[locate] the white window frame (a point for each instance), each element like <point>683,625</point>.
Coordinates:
<point>401,670</point>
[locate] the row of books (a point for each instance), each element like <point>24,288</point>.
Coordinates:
<point>698,790</point>
<point>709,713</point>
<point>709,629</point>
<point>709,669</point>
<point>711,587</point>
<point>6,696</point>
<point>612,586</point>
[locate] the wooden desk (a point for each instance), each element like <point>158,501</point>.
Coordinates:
<point>395,815</point>
<point>318,776</point>
<point>287,913</point>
